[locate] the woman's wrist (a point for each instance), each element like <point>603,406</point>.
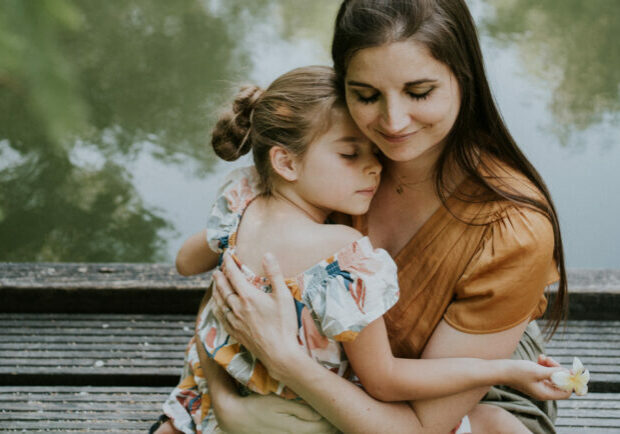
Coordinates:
<point>285,365</point>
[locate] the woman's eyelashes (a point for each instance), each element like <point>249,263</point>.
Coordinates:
<point>423,94</point>
<point>367,99</point>
<point>418,95</point>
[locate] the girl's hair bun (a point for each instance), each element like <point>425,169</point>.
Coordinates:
<point>231,137</point>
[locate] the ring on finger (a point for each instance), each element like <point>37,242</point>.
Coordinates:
<point>229,295</point>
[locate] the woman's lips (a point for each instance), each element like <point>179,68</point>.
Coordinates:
<point>397,138</point>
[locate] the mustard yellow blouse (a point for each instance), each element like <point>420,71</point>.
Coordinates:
<point>483,277</point>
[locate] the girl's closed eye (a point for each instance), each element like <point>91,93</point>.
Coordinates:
<point>349,156</point>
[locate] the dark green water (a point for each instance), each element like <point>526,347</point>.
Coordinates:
<point>106,109</point>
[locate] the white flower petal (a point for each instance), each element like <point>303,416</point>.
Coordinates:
<point>581,389</point>
<point>562,380</point>
<point>577,366</point>
<point>585,377</point>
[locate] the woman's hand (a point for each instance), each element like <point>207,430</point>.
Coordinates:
<point>264,323</point>
<point>535,379</point>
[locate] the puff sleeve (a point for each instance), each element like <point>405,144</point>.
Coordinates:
<point>237,191</point>
<point>504,283</point>
<point>348,291</point>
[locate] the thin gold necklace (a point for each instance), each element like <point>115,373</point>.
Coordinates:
<point>401,185</point>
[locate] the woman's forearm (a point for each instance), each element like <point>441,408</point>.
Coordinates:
<point>345,405</point>
<point>222,392</point>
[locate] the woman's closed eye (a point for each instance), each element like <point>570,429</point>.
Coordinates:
<point>367,99</point>
<point>349,156</point>
<point>416,95</point>
<point>420,94</point>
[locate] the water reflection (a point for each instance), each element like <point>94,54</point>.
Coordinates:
<point>87,87</point>
<point>573,46</point>
<point>106,109</point>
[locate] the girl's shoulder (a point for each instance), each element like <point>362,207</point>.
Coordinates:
<point>352,287</point>
<point>334,237</point>
<point>236,192</point>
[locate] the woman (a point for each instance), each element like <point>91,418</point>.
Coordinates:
<point>468,220</point>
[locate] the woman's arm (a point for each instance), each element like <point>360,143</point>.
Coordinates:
<point>388,378</point>
<point>195,255</point>
<point>271,413</point>
<point>266,324</point>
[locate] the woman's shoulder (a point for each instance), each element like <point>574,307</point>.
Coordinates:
<point>506,192</point>
<point>503,176</point>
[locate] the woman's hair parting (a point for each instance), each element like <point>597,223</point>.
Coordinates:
<point>293,111</point>
<point>446,28</point>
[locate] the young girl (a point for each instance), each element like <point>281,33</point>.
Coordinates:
<point>310,161</point>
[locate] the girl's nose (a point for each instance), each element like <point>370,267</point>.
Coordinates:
<point>374,165</point>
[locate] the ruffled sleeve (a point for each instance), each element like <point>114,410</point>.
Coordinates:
<point>504,283</point>
<point>348,291</point>
<point>239,188</point>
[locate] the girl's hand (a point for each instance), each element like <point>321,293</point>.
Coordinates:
<point>266,324</point>
<point>535,379</point>
<point>547,361</point>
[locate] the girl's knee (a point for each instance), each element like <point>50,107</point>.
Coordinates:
<point>490,419</point>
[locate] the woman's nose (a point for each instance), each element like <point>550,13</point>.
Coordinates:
<point>395,117</point>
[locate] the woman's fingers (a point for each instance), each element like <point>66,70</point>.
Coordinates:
<point>274,274</point>
<point>237,280</point>
<point>224,296</point>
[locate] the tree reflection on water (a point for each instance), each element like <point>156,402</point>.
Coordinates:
<point>572,44</point>
<point>107,78</point>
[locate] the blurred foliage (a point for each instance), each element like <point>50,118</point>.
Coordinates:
<point>111,76</point>
<point>573,44</point>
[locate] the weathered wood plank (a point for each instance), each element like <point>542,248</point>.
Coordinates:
<point>152,288</point>
<point>55,348</point>
<point>118,409</point>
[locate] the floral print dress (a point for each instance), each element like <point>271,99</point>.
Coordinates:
<point>335,300</point>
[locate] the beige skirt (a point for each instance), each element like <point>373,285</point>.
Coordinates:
<point>537,416</point>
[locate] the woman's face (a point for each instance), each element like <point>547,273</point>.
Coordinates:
<point>402,98</point>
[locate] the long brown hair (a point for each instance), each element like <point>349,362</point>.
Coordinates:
<point>447,29</point>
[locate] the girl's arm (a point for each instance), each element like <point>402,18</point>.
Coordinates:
<point>195,255</point>
<point>388,378</point>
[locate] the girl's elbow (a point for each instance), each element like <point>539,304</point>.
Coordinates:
<point>379,390</point>
<point>181,267</point>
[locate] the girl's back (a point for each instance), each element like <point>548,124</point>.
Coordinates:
<point>296,241</point>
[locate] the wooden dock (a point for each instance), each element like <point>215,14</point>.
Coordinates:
<point>97,347</point>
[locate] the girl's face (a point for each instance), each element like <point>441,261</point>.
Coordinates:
<point>402,98</point>
<point>340,170</point>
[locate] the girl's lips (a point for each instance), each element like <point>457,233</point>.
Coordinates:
<point>367,191</point>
